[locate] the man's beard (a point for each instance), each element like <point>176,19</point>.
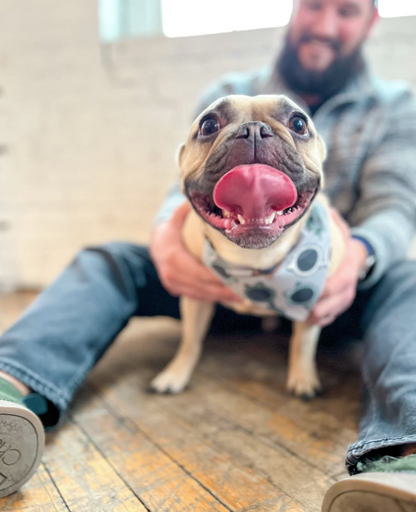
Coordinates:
<point>320,83</point>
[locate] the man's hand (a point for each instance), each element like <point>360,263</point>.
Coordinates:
<point>340,289</point>
<point>179,272</point>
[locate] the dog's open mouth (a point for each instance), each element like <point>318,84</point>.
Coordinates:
<point>252,198</point>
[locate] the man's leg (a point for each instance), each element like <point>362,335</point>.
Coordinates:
<point>389,366</point>
<point>388,423</point>
<point>50,349</point>
<point>67,329</point>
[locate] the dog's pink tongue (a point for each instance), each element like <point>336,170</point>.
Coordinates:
<point>254,191</point>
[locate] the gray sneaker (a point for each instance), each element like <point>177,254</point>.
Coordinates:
<point>22,440</point>
<point>388,485</point>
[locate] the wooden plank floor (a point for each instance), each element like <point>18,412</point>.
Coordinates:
<point>235,441</point>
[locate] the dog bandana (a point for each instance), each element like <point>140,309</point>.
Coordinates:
<point>292,287</point>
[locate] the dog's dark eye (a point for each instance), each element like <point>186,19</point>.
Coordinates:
<point>209,126</point>
<point>298,125</point>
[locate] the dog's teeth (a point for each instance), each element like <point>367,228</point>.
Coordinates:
<point>270,219</point>
<point>226,213</point>
<point>279,213</point>
<point>240,218</point>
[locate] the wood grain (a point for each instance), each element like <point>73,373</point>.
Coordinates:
<point>234,441</point>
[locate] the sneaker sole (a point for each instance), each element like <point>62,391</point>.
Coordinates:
<point>22,440</point>
<point>373,492</point>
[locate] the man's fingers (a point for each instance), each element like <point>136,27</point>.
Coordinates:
<point>322,321</point>
<point>341,280</point>
<point>326,306</point>
<point>326,320</point>
<point>334,305</point>
<point>189,269</point>
<point>189,291</point>
<point>200,273</point>
<point>211,293</point>
<point>335,285</point>
<point>331,305</point>
<point>214,291</point>
<point>198,278</point>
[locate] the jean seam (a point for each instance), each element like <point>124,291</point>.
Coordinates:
<point>359,446</point>
<point>35,381</point>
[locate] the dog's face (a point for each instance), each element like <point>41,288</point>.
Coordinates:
<point>251,167</point>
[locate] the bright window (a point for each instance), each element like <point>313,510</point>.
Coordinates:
<point>180,18</point>
<point>395,8</point>
<point>194,17</point>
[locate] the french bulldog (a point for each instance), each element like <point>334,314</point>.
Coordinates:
<point>252,170</point>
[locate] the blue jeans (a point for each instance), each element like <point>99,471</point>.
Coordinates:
<point>62,335</point>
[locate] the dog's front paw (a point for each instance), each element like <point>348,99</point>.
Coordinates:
<point>304,384</point>
<point>169,382</point>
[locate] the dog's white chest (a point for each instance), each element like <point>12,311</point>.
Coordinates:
<point>291,288</point>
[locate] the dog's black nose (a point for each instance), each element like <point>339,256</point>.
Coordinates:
<point>254,129</point>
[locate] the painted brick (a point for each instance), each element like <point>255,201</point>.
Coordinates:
<point>89,131</point>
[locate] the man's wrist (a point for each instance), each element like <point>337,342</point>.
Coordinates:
<point>367,257</point>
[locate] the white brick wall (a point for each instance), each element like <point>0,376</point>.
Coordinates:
<point>91,131</point>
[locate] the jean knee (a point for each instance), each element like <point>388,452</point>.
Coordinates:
<point>396,288</point>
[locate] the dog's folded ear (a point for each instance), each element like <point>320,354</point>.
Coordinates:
<point>179,154</point>
<point>322,148</point>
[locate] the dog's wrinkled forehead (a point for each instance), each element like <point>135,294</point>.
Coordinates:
<point>236,110</point>
<point>221,120</point>
<point>241,109</point>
